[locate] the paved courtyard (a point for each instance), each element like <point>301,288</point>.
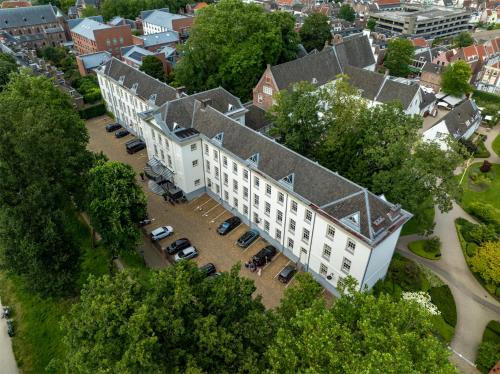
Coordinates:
<point>196,220</point>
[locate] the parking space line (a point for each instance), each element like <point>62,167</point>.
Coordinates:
<point>142,155</point>
<point>291,280</point>
<point>215,218</point>
<point>212,208</point>
<point>278,273</point>
<point>195,199</point>
<point>200,207</point>
<point>272,261</point>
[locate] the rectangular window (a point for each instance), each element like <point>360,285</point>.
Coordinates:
<point>351,246</point>
<point>235,185</point>
<point>167,144</point>
<point>153,134</point>
<point>323,269</point>
<point>267,90</point>
<point>195,163</point>
<point>226,195</point>
<point>266,226</point>
<point>206,149</point>
<point>327,252</point>
<point>245,193</point>
<point>281,197</point>
<point>267,209</point>
<point>162,154</point>
<point>217,188</point>
<point>293,206</point>
<point>268,190</point>
<point>290,243</point>
<point>256,200</point>
<point>245,174</point>
<point>291,226</point>
<point>256,182</point>
<point>224,161</point>
<point>279,216</point>
<point>235,202</point>
<point>207,166</point>
<point>330,232</point>
<point>245,209</point>
<point>216,155</point>
<point>225,178</point>
<point>197,182</point>
<point>216,172</point>
<point>235,168</point>
<point>169,160</point>
<point>209,183</point>
<point>278,234</point>
<point>193,147</point>
<point>346,265</point>
<point>255,217</point>
<point>305,235</point>
<point>156,150</point>
<point>303,250</point>
<point>308,216</point>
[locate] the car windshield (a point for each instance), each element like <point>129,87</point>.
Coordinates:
<point>225,225</point>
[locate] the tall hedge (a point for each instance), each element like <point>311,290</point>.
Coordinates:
<point>93,111</point>
<point>443,299</point>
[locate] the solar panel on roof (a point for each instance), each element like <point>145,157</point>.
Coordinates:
<point>136,56</point>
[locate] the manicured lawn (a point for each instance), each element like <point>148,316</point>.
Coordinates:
<point>481,152</point>
<point>418,247</point>
<point>496,145</point>
<point>487,190</point>
<point>418,225</point>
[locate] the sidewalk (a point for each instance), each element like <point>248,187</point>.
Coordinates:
<point>8,363</point>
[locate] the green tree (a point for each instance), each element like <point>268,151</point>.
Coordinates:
<point>315,32</point>
<point>90,11</point>
<point>115,204</point>
<point>286,23</point>
<point>371,24</point>
<point>172,321</point>
<point>456,78</point>
<point>7,67</point>
<point>353,336</point>
<point>346,12</point>
<point>464,39</point>
<point>43,156</point>
<point>488,355</point>
<point>153,66</point>
<point>487,262</point>
<point>229,45</point>
<point>398,57</point>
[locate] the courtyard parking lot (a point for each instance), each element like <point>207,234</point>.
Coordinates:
<point>196,220</point>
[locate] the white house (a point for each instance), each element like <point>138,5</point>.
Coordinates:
<point>157,21</point>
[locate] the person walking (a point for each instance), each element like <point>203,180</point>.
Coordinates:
<point>142,176</point>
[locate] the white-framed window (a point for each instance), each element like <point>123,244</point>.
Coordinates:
<point>256,200</point>
<point>235,168</point>
<point>267,90</point>
<point>225,178</point>
<point>235,185</point>
<point>235,202</point>
<point>351,246</point>
<point>207,166</point>
<point>266,226</point>
<point>216,155</point>
<point>195,163</point>
<point>197,182</point>
<point>267,209</point>
<point>308,216</point>
<point>245,193</point>
<point>245,209</point>
<point>224,161</point>
<point>293,206</point>
<point>290,243</point>
<point>330,232</point>
<point>346,265</point>
<point>323,269</point>
<point>216,172</point>
<point>291,226</point>
<point>327,252</point>
<point>217,188</point>
<point>260,98</point>
<point>268,189</point>
<point>193,147</point>
<point>281,197</point>
<point>156,150</point>
<point>277,234</point>
<point>162,154</point>
<point>245,174</point>
<point>305,235</point>
<point>167,144</point>
<point>279,216</point>
<point>256,217</point>
<point>256,182</point>
<point>209,183</point>
<point>152,133</point>
<point>303,250</point>
<point>206,149</point>
<point>226,195</point>
<point>169,161</point>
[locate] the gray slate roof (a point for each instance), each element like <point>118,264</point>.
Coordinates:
<point>94,60</point>
<point>27,16</point>
<point>146,85</point>
<point>429,54</point>
<point>256,118</point>
<point>160,38</point>
<point>74,22</point>
<point>135,53</point>
<point>162,18</point>
<point>87,27</point>
<point>324,66</point>
<point>460,118</point>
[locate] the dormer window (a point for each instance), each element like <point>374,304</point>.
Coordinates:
<point>230,107</point>
<point>254,159</point>
<point>314,81</point>
<point>288,181</point>
<point>219,138</point>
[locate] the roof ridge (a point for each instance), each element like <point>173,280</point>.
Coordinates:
<point>341,199</point>
<point>368,214</point>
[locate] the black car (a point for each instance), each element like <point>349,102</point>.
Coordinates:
<point>10,327</point>
<point>286,274</point>
<point>121,133</point>
<point>264,256</point>
<point>208,269</point>
<point>134,147</point>
<point>113,127</point>
<point>247,238</point>
<point>177,246</point>
<point>228,225</point>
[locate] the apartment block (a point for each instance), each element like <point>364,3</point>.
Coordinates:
<point>160,21</point>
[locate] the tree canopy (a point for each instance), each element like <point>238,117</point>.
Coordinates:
<point>371,24</point>
<point>456,77</point>
<point>90,11</point>
<point>131,8</point>
<point>398,57</point>
<point>43,157</point>
<point>487,262</point>
<point>7,66</point>
<point>346,12</point>
<point>230,44</point>
<point>315,32</point>
<point>464,39</point>
<point>153,66</point>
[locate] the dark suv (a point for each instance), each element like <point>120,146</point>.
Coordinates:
<point>286,274</point>
<point>264,256</point>
<point>247,238</point>
<point>208,269</point>
<point>228,225</point>
<point>10,327</point>
<point>135,146</point>
<point>177,246</point>
<point>113,127</point>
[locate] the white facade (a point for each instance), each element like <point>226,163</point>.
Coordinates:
<point>151,28</point>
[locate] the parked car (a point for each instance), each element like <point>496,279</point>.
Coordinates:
<point>145,222</point>
<point>6,312</point>
<point>135,146</point>
<point>186,254</point>
<point>121,133</point>
<point>10,327</point>
<point>286,274</point>
<point>264,256</point>
<point>177,246</point>
<point>247,238</point>
<point>208,269</point>
<point>228,225</point>
<point>161,233</point>
<point>113,127</point>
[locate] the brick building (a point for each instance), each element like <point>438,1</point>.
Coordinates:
<point>160,21</point>
<point>90,36</point>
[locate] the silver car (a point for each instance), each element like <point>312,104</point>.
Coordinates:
<point>161,233</point>
<point>186,254</point>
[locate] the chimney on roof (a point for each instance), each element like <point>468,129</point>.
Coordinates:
<point>179,91</point>
<point>205,103</point>
<point>394,212</point>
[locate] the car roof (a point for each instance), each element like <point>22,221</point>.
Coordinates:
<point>286,270</point>
<point>159,230</point>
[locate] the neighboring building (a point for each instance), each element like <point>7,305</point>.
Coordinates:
<point>80,5</point>
<point>426,55</point>
<point>133,55</point>
<point>389,5</point>
<point>431,76</point>
<point>461,122</point>
<point>160,21</point>
<point>90,36</point>
<point>128,91</point>
<point>329,226</point>
<point>14,4</point>
<point>426,22</point>
<point>317,68</point>
<point>489,79</point>
<point>152,42</point>
<point>345,28</point>
<point>87,63</point>
<point>33,27</point>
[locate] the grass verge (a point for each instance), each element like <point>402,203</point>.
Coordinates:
<point>419,248</point>
<point>496,145</point>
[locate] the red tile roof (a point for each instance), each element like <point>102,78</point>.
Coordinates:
<point>387,2</point>
<point>419,42</point>
<point>200,6</point>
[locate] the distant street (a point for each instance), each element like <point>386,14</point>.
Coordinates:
<point>8,363</point>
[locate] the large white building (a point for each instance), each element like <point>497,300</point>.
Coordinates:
<point>329,225</point>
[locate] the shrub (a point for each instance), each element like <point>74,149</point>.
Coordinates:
<point>487,355</point>
<point>93,111</point>
<point>469,145</point>
<point>478,233</point>
<point>471,249</point>
<point>406,274</point>
<point>443,299</point>
<point>486,166</point>
<point>486,213</point>
<point>432,244</point>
